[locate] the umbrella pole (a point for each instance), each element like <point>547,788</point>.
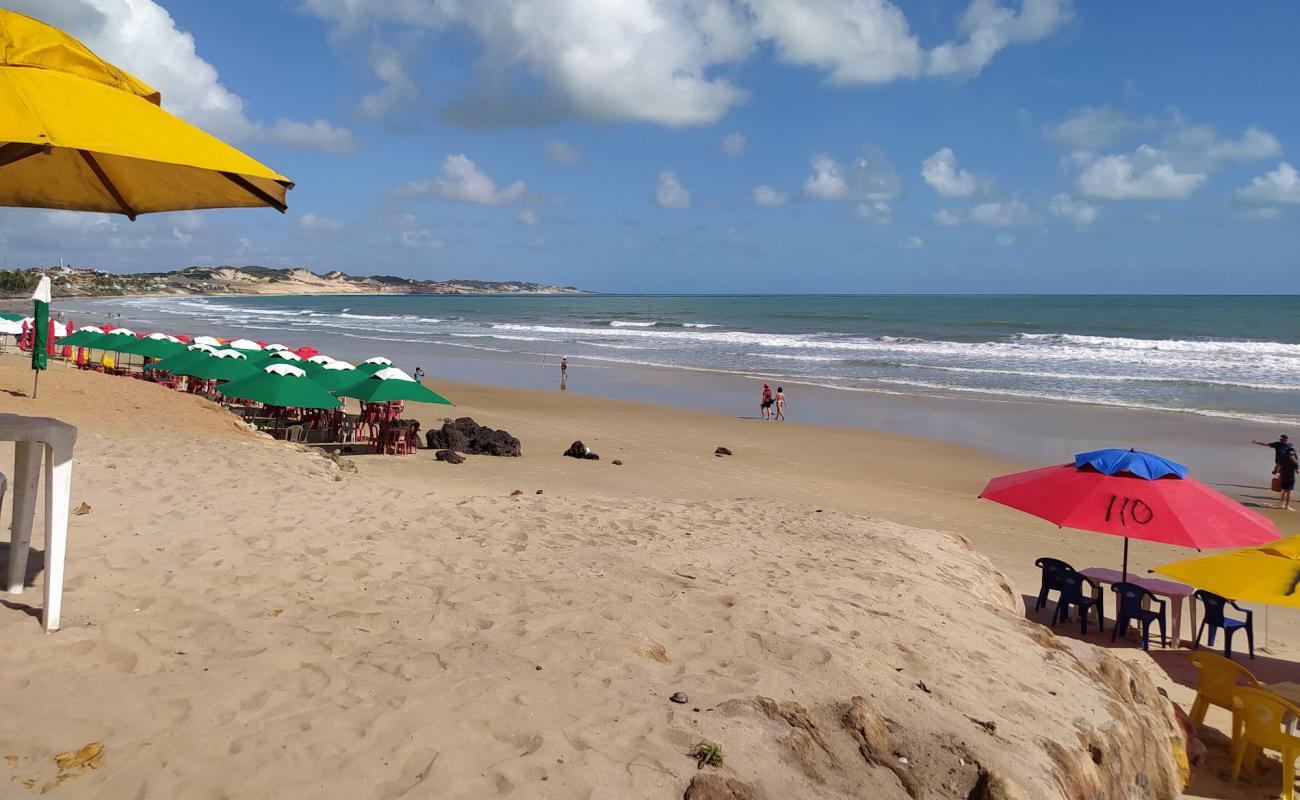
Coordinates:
<point>36,381</point>
<point>1126,559</point>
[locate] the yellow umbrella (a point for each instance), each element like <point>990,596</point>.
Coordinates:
<point>78,133</point>
<point>1269,574</point>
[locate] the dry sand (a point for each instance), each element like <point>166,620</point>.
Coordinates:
<point>242,619</point>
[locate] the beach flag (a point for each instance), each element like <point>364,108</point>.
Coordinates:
<point>41,323</point>
<point>40,329</point>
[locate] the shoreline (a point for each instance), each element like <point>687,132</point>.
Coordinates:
<point>1021,430</point>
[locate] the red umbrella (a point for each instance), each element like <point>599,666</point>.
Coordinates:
<point>1134,495</point>
<point>307,352</point>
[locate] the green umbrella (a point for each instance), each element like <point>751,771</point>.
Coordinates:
<point>155,345</point>
<point>281,385</point>
<point>391,384</point>
<point>82,336</point>
<point>336,376</point>
<point>189,355</point>
<point>219,367</point>
<point>112,342</point>
<point>12,317</point>
<point>373,365</point>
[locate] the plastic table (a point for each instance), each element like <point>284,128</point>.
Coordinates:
<point>35,438</point>
<point>1175,591</point>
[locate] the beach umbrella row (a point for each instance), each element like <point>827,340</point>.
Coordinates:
<point>283,385</point>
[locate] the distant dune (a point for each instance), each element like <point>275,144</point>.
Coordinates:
<point>76,282</point>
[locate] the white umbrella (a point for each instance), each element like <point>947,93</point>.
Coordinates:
<point>210,341</point>
<point>275,347</point>
<point>245,344</point>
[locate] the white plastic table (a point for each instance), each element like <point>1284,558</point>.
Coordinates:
<point>34,438</point>
<point>1175,591</point>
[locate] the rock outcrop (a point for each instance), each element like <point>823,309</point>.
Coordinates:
<point>467,436</point>
<point>580,450</point>
<point>450,456</point>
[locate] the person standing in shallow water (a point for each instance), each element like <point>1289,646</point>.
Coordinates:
<point>765,405</point>
<point>779,404</point>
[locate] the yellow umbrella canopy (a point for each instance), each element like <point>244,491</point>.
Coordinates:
<point>1268,574</point>
<point>77,133</point>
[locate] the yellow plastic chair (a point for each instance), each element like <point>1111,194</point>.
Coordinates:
<point>1256,726</point>
<point>1219,678</point>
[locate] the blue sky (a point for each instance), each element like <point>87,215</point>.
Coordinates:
<point>724,145</point>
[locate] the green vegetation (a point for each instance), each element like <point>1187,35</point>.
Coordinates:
<point>706,754</point>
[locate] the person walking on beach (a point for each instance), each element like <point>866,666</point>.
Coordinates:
<point>418,374</point>
<point>564,373</point>
<point>765,405</point>
<point>1284,466</point>
<point>1286,478</point>
<point>780,404</point>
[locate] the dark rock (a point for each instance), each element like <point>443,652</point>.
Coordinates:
<point>450,456</point>
<point>680,698</point>
<point>590,456</point>
<point>467,436</point>
<point>617,463</point>
<point>576,450</point>
<point>722,451</point>
<point>710,786</point>
<point>539,491</point>
<point>516,492</point>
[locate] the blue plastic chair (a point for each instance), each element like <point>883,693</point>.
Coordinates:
<point>1052,570</point>
<point>1215,619</point>
<point>1072,594</point>
<point>1130,598</point>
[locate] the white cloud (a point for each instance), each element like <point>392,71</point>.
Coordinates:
<point>1078,212</point>
<point>1263,213</point>
<point>563,152</point>
<point>1281,185</point>
<point>1147,174</point>
<point>768,196</point>
<point>527,217</point>
<point>946,218</point>
<point>666,62</point>
<point>941,172</point>
<point>827,181</point>
<point>877,211</point>
<point>463,182</point>
<point>854,42</point>
<point>669,192</point>
<point>420,239</point>
<point>77,220</point>
<point>1094,127</point>
<point>319,135</point>
<point>1006,240</point>
<point>140,37</point>
<point>1002,214</point>
<point>734,144</point>
<point>911,243</point>
<point>398,91</point>
<point>316,223</point>
<point>990,26</point>
<point>870,176</point>
<point>1199,146</point>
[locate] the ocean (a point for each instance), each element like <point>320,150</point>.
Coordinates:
<point>1236,357</point>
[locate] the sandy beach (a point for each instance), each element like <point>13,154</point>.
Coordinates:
<point>243,618</point>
